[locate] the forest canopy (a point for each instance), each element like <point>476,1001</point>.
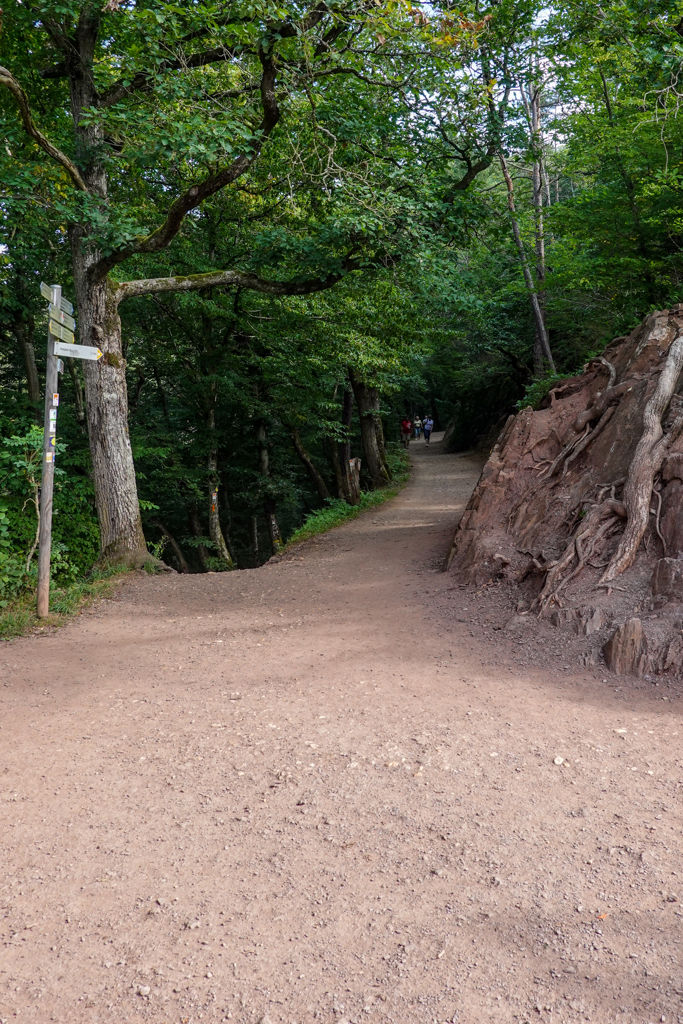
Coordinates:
<point>287,226</point>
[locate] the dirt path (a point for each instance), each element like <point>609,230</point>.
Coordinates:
<point>299,794</point>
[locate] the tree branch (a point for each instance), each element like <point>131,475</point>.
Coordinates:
<point>231,278</point>
<point>142,81</point>
<point>196,194</point>
<point>9,81</point>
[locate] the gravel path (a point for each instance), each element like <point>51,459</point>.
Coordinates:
<point>307,793</point>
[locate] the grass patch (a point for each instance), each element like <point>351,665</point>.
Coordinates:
<point>19,617</point>
<point>336,511</point>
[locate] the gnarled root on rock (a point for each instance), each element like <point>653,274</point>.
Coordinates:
<point>591,530</point>
<point>646,463</point>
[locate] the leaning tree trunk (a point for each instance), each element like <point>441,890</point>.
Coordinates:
<point>113,471</point>
<point>539,320</point>
<point>175,546</point>
<point>366,411</point>
<point>313,471</point>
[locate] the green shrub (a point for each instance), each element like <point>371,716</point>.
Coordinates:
<point>337,511</point>
<point>536,392</point>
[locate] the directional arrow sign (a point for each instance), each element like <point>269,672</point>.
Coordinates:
<point>77,351</point>
<point>62,318</point>
<point>48,293</point>
<point>57,331</point>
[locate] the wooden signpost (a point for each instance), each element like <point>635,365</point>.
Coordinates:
<point>60,341</point>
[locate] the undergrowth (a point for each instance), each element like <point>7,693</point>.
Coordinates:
<point>536,392</point>
<point>337,512</point>
<point>19,617</point>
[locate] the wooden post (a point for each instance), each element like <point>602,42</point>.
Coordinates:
<point>48,473</point>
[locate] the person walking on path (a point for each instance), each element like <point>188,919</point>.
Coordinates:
<point>417,424</point>
<point>406,427</point>
<point>428,426</point>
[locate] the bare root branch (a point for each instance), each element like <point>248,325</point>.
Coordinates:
<point>603,399</point>
<point>590,437</point>
<point>658,513</point>
<point>567,450</point>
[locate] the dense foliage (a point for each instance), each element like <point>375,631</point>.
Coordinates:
<point>378,197</point>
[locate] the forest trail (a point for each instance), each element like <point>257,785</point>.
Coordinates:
<point>300,794</point>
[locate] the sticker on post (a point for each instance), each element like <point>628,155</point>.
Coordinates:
<point>55,399</point>
<point>53,426</point>
<point>49,456</point>
<point>53,441</point>
<point>52,413</point>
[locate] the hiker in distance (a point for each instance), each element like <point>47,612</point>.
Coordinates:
<point>406,427</point>
<point>428,426</point>
<point>417,426</point>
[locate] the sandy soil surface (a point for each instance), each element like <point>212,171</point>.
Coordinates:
<point>309,792</point>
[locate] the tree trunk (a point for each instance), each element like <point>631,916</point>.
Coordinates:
<point>196,527</point>
<point>539,321</point>
<point>332,452</point>
<point>177,550</point>
<point>354,481</point>
<point>116,496</point>
<point>379,430</point>
<point>254,537</point>
<point>215,531</point>
<point>273,526</point>
<point>78,390</point>
<point>113,472</point>
<point>269,501</point>
<point>23,332</point>
<point>532,105</point>
<point>366,412</point>
<point>320,485</point>
<point>537,176</point>
<point>345,446</point>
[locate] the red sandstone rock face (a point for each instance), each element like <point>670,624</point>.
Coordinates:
<point>551,468</point>
<point>626,650</point>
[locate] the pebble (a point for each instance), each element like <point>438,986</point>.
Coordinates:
<point>558,760</point>
<point>144,990</point>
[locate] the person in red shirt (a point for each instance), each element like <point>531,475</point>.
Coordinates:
<point>406,427</point>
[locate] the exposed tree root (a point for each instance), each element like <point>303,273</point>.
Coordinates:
<point>568,448</point>
<point>592,529</point>
<point>589,438</point>
<point>646,463</point>
<point>613,479</point>
<point>658,513</point>
<point>604,399</point>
